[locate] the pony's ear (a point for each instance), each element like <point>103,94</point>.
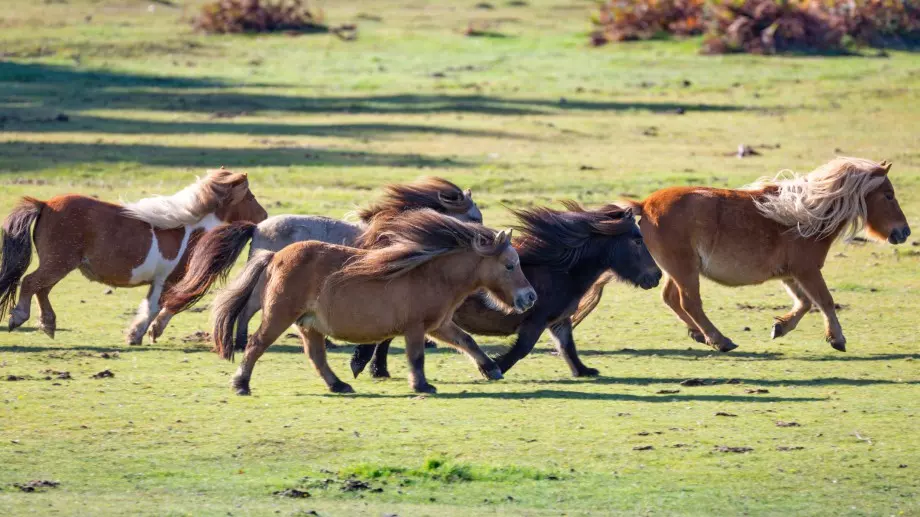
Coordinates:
<point>884,167</point>
<point>500,237</point>
<point>241,179</point>
<point>468,193</point>
<point>508,233</point>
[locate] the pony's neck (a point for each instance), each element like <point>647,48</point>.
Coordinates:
<point>589,268</point>
<point>457,273</point>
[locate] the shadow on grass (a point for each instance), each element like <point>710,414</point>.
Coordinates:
<point>28,156</point>
<point>681,353</point>
<point>63,88</point>
<point>737,382</point>
<point>579,395</point>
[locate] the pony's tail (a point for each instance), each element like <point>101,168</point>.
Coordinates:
<point>232,300</point>
<point>16,250</point>
<point>212,257</point>
<point>591,299</point>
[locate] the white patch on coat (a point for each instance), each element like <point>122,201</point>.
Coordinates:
<point>156,268</point>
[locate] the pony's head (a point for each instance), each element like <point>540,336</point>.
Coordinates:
<point>884,218</point>
<point>234,201</point>
<point>437,194</point>
<point>501,274</point>
<point>607,236</point>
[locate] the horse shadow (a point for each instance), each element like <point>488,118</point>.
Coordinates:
<point>550,394</point>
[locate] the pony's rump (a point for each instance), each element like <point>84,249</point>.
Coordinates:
<point>16,250</point>
<point>211,260</point>
<point>637,207</point>
<point>231,301</point>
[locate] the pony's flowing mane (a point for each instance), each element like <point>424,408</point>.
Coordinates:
<point>435,193</point>
<point>560,238</point>
<point>822,202</point>
<point>418,238</point>
<point>187,206</point>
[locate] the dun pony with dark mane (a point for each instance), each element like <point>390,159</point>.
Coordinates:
<point>225,244</point>
<point>143,243</point>
<point>410,286</point>
<point>563,253</point>
<point>780,228</point>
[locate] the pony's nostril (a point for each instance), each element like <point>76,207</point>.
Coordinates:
<point>906,231</point>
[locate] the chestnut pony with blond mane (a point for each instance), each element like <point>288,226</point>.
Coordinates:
<point>143,243</point>
<point>779,228</point>
<point>427,265</point>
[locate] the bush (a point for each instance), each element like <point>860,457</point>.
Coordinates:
<point>764,26</point>
<point>629,20</point>
<point>227,16</point>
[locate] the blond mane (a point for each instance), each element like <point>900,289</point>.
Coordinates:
<point>822,202</point>
<point>188,206</point>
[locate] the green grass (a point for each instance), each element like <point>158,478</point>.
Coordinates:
<point>532,118</point>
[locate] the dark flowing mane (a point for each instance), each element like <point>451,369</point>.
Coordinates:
<point>417,238</point>
<point>560,238</point>
<point>431,192</point>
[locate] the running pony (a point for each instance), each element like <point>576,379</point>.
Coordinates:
<point>143,243</point>
<point>773,229</point>
<point>410,286</point>
<point>563,253</point>
<point>214,260</point>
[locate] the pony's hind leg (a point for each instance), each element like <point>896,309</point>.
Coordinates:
<point>670,294</point>
<point>272,326</point>
<point>314,345</point>
<point>812,283</point>
<point>360,357</point>
<point>39,283</point>
<point>457,338</point>
<point>565,344</point>
<point>801,305</point>
<point>415,354</point>
<point>253,304</point>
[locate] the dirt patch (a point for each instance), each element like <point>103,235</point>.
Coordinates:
<point>292,493</point>
<point>104,374</point>
<point>199,336</point>
<point>355,485</point>
<point>643,448</point>
<point>13,378</point>
<point>667,392</point>
<point>789,448</point>
<point>780,423</point>
<point>736,450</point>
<point>109,355</point>
<point>723,413</point>
<point>56,375</point>
<point>35,485</point>
<point>757,391</point>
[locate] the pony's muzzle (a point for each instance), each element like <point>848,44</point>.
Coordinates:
<point>524,300</point>
<point>650,280</point>
<point>899,235</point>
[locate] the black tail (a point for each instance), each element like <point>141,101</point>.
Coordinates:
<point>16,251</point>
<point>231,301</point>
<point>212,257</point>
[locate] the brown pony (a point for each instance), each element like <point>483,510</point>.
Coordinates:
<point>143,243</point>
<point>773,229</point>
<point>410,286</point>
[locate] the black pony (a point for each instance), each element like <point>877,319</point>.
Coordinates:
<point>563,253</point>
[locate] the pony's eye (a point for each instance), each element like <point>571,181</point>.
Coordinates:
<point>509,267</point>
<point>889,196</point>
<point>638,241</point>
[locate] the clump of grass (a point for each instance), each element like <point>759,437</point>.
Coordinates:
<point>236,16</point>
<point>442,470</point>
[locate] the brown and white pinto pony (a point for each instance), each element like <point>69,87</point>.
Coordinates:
<point>143,243</point>
<point>409,286</point>
<point>773,229</point>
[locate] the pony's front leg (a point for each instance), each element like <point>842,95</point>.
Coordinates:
<point>457,338</point>
<point>314,344</point>
<point>48,320</point>
<point>363,355</point>
<point>670,294</point>
<point>415,354</point>
<point>801,305</point>
<point>565,344</point>
<point>148,307</point>
<point>528,335</point>
<point>692,305</point>
<point>813,284</point>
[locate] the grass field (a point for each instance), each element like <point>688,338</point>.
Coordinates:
<point>121,99</point>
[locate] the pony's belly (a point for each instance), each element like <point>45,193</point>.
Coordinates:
<point>733,271</point>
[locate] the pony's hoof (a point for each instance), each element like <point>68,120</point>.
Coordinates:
<point>778,330</point>
<point>424,388</point>
<point>726,345</point>
<point>430,344</point>
<point>587,372</point>
<point>240,387</point>
<point>154,332</point>
<point>838,344</point>
<point>243,392</point>
<point>380,374</point>
<point>48,329</point>
<point>357,366</point>
<point>696,335</point>
<point>492,374</point>
<point>341,387</point>
<point>16,321</point>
